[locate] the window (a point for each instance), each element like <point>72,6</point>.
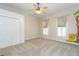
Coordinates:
<point>45,31</point>
<point>61,26</point>
<point>61,31</point>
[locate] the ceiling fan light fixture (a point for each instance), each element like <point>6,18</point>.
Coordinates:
<point>38,11</point>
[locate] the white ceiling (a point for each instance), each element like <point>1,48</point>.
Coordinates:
<point>52,7</point>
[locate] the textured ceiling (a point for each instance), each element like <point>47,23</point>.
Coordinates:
<point>52,7</point>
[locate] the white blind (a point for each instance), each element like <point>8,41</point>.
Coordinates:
<point>45,23</point>
<point>61,21</point>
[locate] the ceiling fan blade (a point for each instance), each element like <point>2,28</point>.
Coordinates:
<point>45,7</point>
<point>34,5</point>
<point>42,9</point>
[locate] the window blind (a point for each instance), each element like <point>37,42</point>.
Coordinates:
<point>45,23</point>
<point>61,21</point>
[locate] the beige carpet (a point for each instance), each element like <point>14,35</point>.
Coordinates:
<point>41,47</point>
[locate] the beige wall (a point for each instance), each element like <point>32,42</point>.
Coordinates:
<point>71,24</point>
<point>31,27</point>
<point>52,26</point>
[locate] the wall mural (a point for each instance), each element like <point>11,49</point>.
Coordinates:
<point>72,37</point>
<point>77,24</point>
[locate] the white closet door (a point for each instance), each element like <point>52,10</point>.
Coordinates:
<point>10,31</point>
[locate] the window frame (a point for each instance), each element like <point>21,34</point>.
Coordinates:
<point>45,31</point>
<point>61,32</point>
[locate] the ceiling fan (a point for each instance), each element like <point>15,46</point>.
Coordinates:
<point>39,9</point>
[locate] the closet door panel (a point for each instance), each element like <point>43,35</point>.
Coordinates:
<point>10,31</point>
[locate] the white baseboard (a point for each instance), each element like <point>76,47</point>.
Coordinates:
<point>34,38</point>
<point>62,41</point>
<point>54,40</point>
